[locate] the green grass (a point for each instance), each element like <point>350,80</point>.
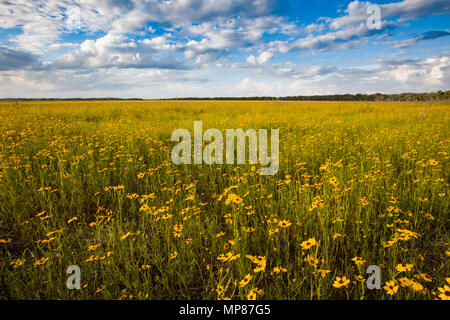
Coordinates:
<point>60,160</point>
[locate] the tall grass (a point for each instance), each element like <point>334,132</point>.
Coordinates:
<point>92,184</point>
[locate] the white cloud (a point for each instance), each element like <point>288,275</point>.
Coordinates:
<point>388,76</point>
<point>261,59</point>
<point>196,35</point>
<point>351,28</point>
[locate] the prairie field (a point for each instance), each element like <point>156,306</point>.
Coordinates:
<point>92,184</point>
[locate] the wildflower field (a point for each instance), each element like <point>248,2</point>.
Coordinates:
<point>92,184</point>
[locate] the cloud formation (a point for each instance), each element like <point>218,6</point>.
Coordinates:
<point>56,44</point>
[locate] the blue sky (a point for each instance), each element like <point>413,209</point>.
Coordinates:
<point>187,48</point>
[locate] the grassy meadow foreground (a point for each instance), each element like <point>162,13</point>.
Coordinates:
<point>92,184</point>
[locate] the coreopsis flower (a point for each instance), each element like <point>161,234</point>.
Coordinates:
<point>41,261</point>
<point>93,247</point>
<point>260,262</point>
<point>229,256</point>
<point>177,230</point>
<point>284,223</point>
<point>233,198</point>
<point>323,272</point>
<point>17,263</point>
<point>416,286</point>
<point>173,255</point>
<point>405,282</point>
<point>220,289</point>
<point>337,235</point>
<point>391,287</point>
<point>308,243</point>
<point>126,235</point>
<point>425,277</point>
<point>251,295</point>
<point>341,282</point>
<point>404,267</point>
<point>358,260</point>
<point>277,270</point>
<point>72,220</point>
<point>444,292</point>
<point>272,232</point>
<point>334,181</point>
<point>245,281</point>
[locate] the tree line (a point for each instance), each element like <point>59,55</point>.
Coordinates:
<point>408,96</point>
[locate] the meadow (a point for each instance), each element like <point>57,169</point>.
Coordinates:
<point>92,184</point>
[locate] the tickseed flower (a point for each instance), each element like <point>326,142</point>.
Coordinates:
<point>308,243</point>
<point>17,263</point>
<point>260,262</point>
<point>5,240</point>
<point>245,281</point>
<point>313,261</point>
<point>91,258</point>
<point>173,255</point>
<point>341,282</point>
<point>220,290</point>
<point>358,260</point>
<point>126,235</point>
<point>277,270</point>
<point>141,175</point>
<point>444,293</point>
<point>390,243</point>
<point>229,256</point>
<point>93,247</point>
<point>72,220</point>
<point>416,286</point>
<point>404,267</point>
<point>177,230</point>
<point>145,267</point>
<point>426,277</point>
<point>334,181</point>
<point>251,295</point>
<point>233,198</point>
<point>284,223</point>
<point>364,201</point>
<point>405,282</point>
<point>41,261</point>
<point>46,240</point>
<point>323,272</point>
<point>391,287</point>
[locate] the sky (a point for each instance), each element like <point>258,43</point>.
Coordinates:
<point>228,48</point>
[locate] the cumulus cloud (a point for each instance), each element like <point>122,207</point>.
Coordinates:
<point>114,50</point>
<point>347,30</point>
<point>44,21</point>
<point>100,45</point>
<point>261,59</point>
